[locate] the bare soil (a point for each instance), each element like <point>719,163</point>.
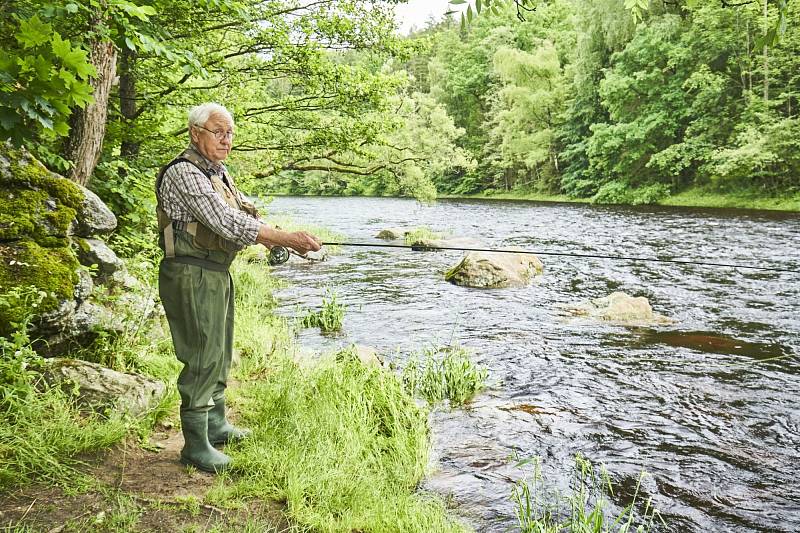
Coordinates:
<point>136,489</point>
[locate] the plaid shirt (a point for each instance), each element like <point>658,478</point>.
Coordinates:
<point>188,196</point>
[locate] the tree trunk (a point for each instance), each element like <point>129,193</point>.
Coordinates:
<point>127,103</point>
<point>88,125</point>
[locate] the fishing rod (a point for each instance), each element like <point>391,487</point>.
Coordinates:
<point>283,256</point>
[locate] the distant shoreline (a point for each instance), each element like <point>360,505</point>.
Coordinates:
<point>690,198</point>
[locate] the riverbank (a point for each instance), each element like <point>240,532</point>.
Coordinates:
<point>337,445</point>
<point>690,198</point>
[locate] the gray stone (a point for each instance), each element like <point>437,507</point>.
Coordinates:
<point>85,285</point>
<point>368,355</point>
<point>492,270</point>
<point>96,252</point>
<point>620,308</point>
<point>102,389</point>
<point>73,324</point>
<point>95,217</point>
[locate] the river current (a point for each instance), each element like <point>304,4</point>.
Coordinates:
<point>707,406</point>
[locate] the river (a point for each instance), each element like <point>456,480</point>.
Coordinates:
<point>708,406</point>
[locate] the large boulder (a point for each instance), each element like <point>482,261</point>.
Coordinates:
<point>620,308</point>
<point>492,270</point>
<point>102,389</point>
<point>47,251</point>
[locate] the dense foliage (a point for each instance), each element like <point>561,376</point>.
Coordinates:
<point>581,99</point>
<point>615,100</point>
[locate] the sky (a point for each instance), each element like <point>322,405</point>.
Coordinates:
<point>417,12</point>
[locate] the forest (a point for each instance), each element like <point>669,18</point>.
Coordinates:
<point>628,102</point>
<point>583,100</point>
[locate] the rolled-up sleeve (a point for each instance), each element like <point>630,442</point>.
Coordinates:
<point>184,186</point>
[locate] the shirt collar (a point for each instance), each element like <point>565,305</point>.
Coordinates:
<point>216,168</point>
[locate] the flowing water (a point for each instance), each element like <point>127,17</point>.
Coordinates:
<point>707,406</point>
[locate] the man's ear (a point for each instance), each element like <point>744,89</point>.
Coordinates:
<point>192,134</point>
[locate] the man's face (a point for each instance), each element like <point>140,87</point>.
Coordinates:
<point>206,141</point>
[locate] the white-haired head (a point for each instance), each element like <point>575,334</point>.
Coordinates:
<point>200,114</point>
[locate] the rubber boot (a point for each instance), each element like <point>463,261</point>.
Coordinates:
<point>220,431</point>
<point>197,451</point>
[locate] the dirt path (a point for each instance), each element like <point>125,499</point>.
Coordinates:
<point>135,489</point>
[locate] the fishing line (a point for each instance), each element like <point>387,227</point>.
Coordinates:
<point>423,248</point>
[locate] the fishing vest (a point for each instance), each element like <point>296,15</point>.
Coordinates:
<point>202,236</point>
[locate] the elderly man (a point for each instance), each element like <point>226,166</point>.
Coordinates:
<point>204,222</point>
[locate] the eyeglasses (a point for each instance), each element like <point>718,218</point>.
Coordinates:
<point>218,134</point>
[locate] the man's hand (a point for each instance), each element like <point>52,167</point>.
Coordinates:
<point>299,241</point>
<point>302,242</point>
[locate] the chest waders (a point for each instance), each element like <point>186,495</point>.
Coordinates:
<point>197,292</point>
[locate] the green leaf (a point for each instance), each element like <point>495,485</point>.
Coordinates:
<point>77,61</point>
<point>469,14</point>
<point>33,32</point>
<point>142,13</point>
<point>9,119</point>
<point>457,2</point>
<point>478,5</point>
<point>130,44</point>
<point>61,47</point>
<point>61,128</point>
<point>71,8</point>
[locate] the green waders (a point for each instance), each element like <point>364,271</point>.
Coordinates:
<point>197,293</point>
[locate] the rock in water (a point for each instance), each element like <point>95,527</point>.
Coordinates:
<point>391,234</point>
<point>493,270</point>
<point>621,308</point>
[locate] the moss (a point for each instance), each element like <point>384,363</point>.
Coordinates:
<point>81,244</point>
<point>25,171</point>
<point>34,214</point>
<point>27,264</point>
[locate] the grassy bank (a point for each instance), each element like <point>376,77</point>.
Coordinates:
<point>340,445</point>
<point>690,198</point>
<point>743,200</point>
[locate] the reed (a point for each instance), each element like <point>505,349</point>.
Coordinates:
<point>585,509</point>
<point>444,373</point>
<point>330,318</point>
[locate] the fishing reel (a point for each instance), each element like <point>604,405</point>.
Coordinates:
<point>278,255</point>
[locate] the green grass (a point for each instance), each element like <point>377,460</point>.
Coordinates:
<point>694,197</point>
<point>341,443</point>
<point>259,332</point>
<point>521,195</point>
<point>422,233</point>
<point>745,200</point>
<point>585,509</point>
<point>41,428</point>
<point>287,224</point>
<point>330,318</point>
<point>445,373</point>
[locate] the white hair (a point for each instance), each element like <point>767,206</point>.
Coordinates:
<point>199,115</point>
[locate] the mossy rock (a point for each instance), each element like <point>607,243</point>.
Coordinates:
<point>18,169</point>
<point>24,263</point>
<point>34,202</point>
<point>35,214</point>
